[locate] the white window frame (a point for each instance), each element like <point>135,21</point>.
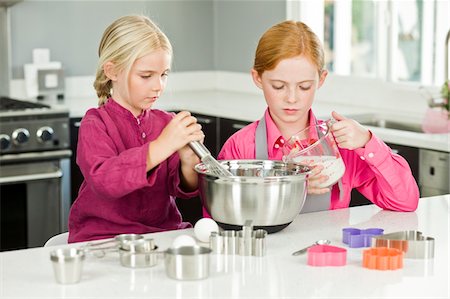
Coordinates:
<point>312,13</point>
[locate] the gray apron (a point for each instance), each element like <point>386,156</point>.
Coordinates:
<point>313,202</point>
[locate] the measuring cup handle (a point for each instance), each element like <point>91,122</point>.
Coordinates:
<point>330,122</point>
<point>302,251</point>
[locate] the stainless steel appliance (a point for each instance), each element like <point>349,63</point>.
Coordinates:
<point>434,172</point>
<point>34,173</point>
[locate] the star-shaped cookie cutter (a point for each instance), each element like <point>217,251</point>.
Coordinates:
<point>411,242</point>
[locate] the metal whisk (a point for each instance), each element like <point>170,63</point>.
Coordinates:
<point>213,166</point>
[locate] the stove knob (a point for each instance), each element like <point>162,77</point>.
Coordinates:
<point>5,141</point>
<point>44,134</point>
<point>20,136</point>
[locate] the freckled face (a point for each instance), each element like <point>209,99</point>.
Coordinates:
<point>146,81</point>
<point>289,90</point>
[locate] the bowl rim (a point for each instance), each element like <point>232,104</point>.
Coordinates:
<point>306,170</point>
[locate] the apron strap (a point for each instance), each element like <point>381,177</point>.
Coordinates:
<point>261,152</point>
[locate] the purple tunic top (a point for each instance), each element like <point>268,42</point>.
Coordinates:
<point>118,195</point>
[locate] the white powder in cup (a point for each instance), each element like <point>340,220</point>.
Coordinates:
<point>334,167</point>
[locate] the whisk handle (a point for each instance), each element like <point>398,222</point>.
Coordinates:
<point>199,149</point>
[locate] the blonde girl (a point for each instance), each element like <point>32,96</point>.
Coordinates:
<point>134,159</point>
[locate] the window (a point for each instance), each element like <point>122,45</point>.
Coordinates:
<point>399,41</point>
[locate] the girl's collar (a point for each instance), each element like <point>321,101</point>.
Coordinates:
<point>115,107</point>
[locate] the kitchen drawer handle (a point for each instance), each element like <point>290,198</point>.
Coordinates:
<point>395,151</point>
<point>203,120</point>
<point>31,177</point>
<point>77,124</point>
<point>238,126</point>
<point>36,156</point>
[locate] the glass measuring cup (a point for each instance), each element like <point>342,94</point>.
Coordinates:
<point>315,145</point>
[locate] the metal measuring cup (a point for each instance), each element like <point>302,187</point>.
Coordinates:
<point>139,254</point>
<point>67,264</point>
<point>119,242</point>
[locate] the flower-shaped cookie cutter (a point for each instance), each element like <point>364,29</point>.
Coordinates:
<point>382,258</point>
<point>326,255</point>
<point>412,243</point>
<point>356,238</point>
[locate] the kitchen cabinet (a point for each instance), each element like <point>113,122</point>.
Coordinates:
<point>210,128</point>
<point>227,128</point>
<point>76,175</point>
<point>411,155</point>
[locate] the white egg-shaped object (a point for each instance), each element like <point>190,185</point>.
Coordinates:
<point>203,229</point>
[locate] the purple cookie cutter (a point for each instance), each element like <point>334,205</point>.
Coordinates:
<point>355,237</point>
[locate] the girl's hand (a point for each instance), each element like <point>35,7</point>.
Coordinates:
<point>181,130</point>
<point>348,133</point>
<point>187,156</point>
<point>315,179</point>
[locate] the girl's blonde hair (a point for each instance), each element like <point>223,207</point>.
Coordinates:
<point>286,40</point>
<point>125,40</point>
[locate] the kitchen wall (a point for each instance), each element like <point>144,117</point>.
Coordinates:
<point>238,27</point>
<point>206,34</point>
<point>72,31</point>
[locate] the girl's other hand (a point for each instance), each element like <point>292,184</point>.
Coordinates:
<point>348,133</point>
<point>315,179</point>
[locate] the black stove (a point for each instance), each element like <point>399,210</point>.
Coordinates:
<point>30,126</point>
<point>8,104</point>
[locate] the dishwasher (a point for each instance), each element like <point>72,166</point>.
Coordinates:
<point>434,167</point>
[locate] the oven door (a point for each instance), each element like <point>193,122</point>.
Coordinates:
<point>35,198</point>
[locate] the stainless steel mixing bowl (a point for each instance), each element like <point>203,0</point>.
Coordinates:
<point>270,193</point>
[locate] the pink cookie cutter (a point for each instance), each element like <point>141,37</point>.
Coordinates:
<point>327,255</point>
<point>382,258</point>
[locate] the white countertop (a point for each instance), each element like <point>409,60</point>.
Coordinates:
<point>251,106</point>
<point>28,273</point>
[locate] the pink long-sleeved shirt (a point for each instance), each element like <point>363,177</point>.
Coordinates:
<point>118,195</point>
<point>381,176</point>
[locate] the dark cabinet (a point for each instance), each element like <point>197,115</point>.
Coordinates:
<point>411,155</point>
<point>227,128</point>
<point>209,127</point>
<point>76,176</point>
